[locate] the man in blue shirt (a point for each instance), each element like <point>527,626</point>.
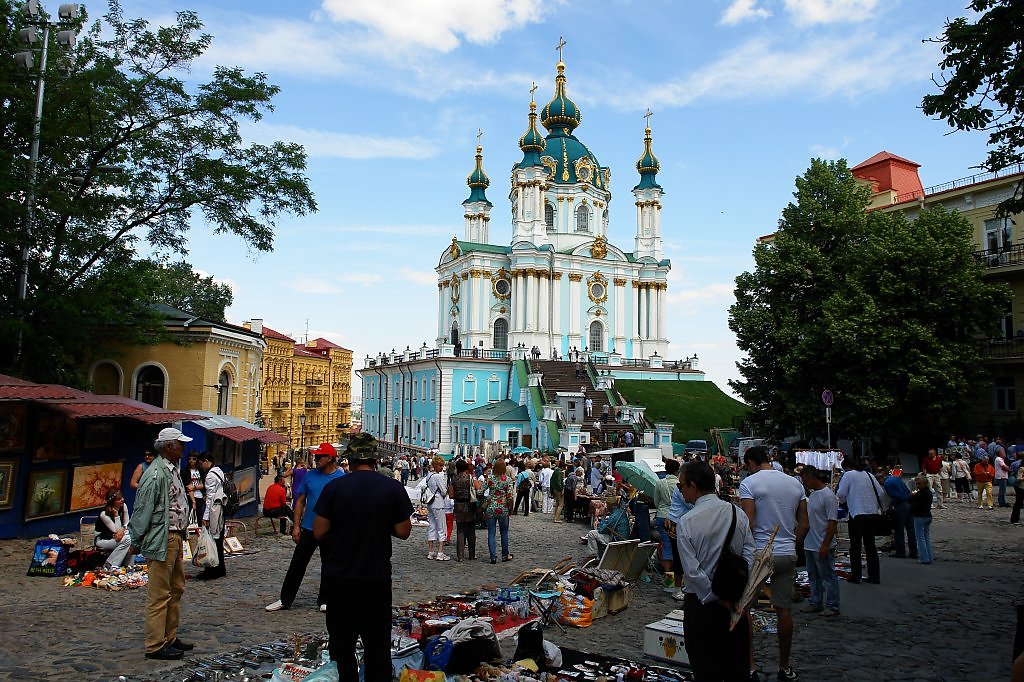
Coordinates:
<point>903,524</point>
<point>306,496</point>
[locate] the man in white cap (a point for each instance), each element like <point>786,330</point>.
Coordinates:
<point>158,528</point>
<point>306,497</point>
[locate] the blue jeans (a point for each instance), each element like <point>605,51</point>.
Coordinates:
<point>666,539</point>
<point>502,523</point>
<point>1002,492</point>
<point>821,573</point>
<point>904,525</point>
<point>923,531</point>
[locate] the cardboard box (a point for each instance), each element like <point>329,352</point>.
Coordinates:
<point>664,640</point>
<point>617,599</point>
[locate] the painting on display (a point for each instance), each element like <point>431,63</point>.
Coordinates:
<point>245,481</point>
<point>98,436</point>
<point>55,438</point>
<point>90,484</point>
<point>8,475</point>
<point>46,492</point>
<point>12,426</point>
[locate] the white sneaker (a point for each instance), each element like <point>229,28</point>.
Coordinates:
<point>432,555</point>
<point>441,556</point>
<point>679,595</point>
<point>323,608</point>
<point>275,606</point>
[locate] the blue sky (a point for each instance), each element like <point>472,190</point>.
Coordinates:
<point>387,97</point>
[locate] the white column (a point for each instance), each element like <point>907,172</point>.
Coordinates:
<point>545,290</point>
<point>662,301</point>
<point>642,299</point>
<point>556,310</point>
<point>574,307</point>
<point>482,299</point>
<point>442,314</point>
<point>620,310</point>
<point>535,307</point>
<point>521,306</point>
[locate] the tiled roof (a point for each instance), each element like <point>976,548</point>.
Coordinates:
<point>505,411</point>
<point>272,334</point>
<point>882,156</point>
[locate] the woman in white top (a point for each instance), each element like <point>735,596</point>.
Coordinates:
<point>437,485</point>
<point>213,515</point>
<point>112,532</point>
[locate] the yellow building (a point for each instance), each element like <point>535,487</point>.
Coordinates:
<point>307,388</point>
<point>206,365</point>
<point>999,244</point>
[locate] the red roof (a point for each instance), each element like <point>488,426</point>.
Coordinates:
<point>305,352</point>
<point>880,157</point>
<point>240,434</point>
<point>271,334</point>
<point>323,343</point>
<point>6,380</point>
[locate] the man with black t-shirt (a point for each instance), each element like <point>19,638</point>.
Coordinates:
<point>356,517</point>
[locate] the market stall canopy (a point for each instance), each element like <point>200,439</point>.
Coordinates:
<point>83,405</point>
<point>235,429</point>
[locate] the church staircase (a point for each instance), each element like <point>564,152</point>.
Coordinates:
<point>560,376</point>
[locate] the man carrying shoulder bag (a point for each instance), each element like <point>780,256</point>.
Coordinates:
<point>714,540</point>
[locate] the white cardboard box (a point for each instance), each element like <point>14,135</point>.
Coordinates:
<point>664,639</point>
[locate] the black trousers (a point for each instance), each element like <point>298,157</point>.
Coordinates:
<point>1018,502</point>
<point>359,608</point>
<point>297,569</point>
<point>716,655</point>
<point>525,496</point>
<point>862,532</point>
<point>283,513</point>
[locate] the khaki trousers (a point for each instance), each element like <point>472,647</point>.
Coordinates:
<point>559,504</point>
<point>163,603</point>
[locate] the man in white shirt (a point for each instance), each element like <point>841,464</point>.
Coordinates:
<point>860,492</point>
<point>548,503</point>
<point>715,653</point>
<point>771,500</point>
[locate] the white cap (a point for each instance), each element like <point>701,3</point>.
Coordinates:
<point>172,434</point>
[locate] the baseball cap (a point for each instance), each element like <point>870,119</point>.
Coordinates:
<point>172,434</point>
<point>324,449</point>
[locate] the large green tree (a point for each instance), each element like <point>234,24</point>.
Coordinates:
<point>876,308</point>
<point>179,286</point>
<point>982,83</point>
<point>132,154</point>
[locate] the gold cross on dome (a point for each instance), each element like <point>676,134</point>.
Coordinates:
<point>533,89</point>
<point>647,116</point>
<point>479,134</point>
<point>561,44</point>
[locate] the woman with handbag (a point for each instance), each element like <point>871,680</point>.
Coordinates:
<point>462,490</point>
<point>497,509</point>
<point>434,495</point>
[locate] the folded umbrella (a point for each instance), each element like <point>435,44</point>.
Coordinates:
<point>760,571</point>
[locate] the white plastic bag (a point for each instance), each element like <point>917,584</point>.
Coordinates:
<point>205,555</point>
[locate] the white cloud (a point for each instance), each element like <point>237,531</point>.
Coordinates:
<point>219,280</point>
<point>810,12</point>
<point>366,279</point>
<point>408,230</point>
<point>327,144</point>
<point>334,337</point>
<point>743,10</point>
<point>689,302</point>
<point>313,285</point>
<point>437,25</point>
<point>823,152</point>
<point>418,276</point>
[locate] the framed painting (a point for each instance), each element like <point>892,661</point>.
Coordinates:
<point>8,477</point>
<point>245,481</point>
<point>91,482</point>
<point>55,438</point>
<point>98,436</point>
<point>12,426</point>
<point>45,494</point>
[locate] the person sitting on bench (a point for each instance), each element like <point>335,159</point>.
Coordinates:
<point>275,503</point>
<point>613,527</point>
<point>112,532</point>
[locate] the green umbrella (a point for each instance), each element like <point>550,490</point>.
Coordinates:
<point>520,450</point>
<point>639,475</point>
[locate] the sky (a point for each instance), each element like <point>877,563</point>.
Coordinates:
<point>387,98</point>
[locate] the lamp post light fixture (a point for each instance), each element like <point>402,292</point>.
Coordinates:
<point>26,59</point>
<point>302,432</point>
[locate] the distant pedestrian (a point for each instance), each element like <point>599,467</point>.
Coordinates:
<point>605,410</point>
<point>590,406</point>
<point>496,510</point>
<point>984,473</point>
<point>961,473</point>
<point>579,370</point>
<point>213,514</point>
<point>558,491</point>
<point>899,495</point>
<point>820,544</point>
<point>1002,475</point>
<point>861,492</point>
<point>921,509</point>
<point>932,466</point>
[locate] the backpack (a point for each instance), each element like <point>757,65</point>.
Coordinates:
<point>524,483</point>
<point>570,484</point>
<point>230,503</point>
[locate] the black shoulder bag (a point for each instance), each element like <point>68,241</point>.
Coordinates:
<point>732,572</point>
<point>883,523</point>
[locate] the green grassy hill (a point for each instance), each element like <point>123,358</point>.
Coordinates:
<point>693,406</point>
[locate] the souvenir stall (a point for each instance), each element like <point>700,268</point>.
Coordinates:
<point>822,460</point>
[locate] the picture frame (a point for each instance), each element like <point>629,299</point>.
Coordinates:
<point>56,438</point>
<point>232,544</point>
<point>12,426</point>
<point>91,482</point>
<point>8,478</point>
<point>45,494</point>
<point>98,436</point>
<point>246,481</point>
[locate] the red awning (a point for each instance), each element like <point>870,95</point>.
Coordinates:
<point>240,434</point>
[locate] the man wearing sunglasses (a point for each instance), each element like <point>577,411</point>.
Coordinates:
<point>306,496</point>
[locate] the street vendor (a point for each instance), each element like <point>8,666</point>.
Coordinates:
<point>613,528</point>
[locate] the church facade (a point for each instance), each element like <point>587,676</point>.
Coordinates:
<point>556,285</point>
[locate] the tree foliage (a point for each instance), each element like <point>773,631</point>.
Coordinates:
<point>121,98</point>
<point>876,308</point>
<point>179,286</point>
<point>982,85</point>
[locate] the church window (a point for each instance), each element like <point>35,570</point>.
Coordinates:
<point>604,220</point>
<point>493,390</point>
<point>582,219</point>
<point>549,217</point>
<point>469,389</point>
<point>500,340</point>
<point>596,336</point>
<point>149,386</point>
<point>223,392</point>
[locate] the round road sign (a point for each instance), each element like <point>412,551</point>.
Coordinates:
<point>826,397</point>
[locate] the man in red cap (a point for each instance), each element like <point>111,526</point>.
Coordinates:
<point>306,496</point>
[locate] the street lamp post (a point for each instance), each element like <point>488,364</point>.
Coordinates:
<point>302,432</point>
<point>26,59</point>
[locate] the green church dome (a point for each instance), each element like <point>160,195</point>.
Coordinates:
<point>560,112</point>
<point>478,180</point>
<point>648,165</point>
<point>532,142</point>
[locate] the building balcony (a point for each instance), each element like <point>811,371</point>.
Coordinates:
<point>313,404</point>
<point>279,405</point>
<point>1003,349</point>
<point>1009,258</point>
<point>314,382</point>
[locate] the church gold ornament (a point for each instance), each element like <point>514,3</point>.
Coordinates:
<point>597,288</point>
<point>501,285</point>
<point>599,249</point>
<point>550,164</point>
<point>575,277</point>
<point>454,251</point>
<point>456,288</point>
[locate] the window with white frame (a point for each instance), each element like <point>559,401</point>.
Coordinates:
<point>513,438</point>
<point>469,389</point>
<point>582,219</point>
<point>549,217</point>
<point>596,336</point>
<point>493,389</point>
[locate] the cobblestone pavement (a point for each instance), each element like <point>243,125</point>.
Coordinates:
<point>921,623</point>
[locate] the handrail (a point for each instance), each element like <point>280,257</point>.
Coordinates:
<point>959,182</point>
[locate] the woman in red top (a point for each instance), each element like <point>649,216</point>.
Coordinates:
<point>275,503</point>
<point>983,475</point>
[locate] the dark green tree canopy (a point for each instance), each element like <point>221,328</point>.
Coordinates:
<point>132,156</point>
<point>982,83</point>
<point>876,308</point>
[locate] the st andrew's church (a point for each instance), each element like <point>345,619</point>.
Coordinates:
<point>558,286</point>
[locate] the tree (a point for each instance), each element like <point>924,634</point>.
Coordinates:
<point>117,101</point>
<point>179,286</point>
<point>982,85</point>
<point>867,304</point>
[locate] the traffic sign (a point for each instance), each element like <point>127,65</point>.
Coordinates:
<point>826,397</point>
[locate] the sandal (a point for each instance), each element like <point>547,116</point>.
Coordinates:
<point>508,558</point>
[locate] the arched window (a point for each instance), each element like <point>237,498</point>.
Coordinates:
<point>149,385</point>
<point>500,339</point>
<point>596,336</point>
<point>604,221</point>
<point>223,392</point>
<point>549,217</point>
<point>582,219</point>
<point>106,379</point>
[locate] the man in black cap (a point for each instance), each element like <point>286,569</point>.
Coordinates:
<point>356,517</point>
